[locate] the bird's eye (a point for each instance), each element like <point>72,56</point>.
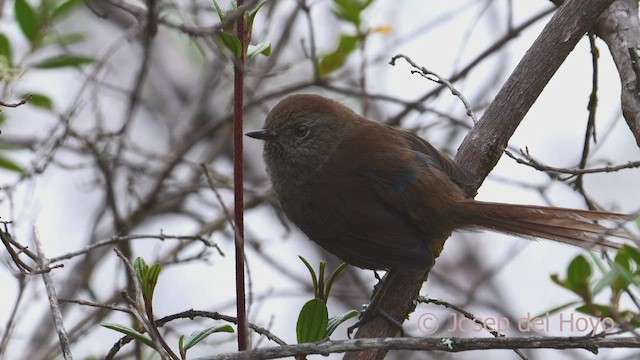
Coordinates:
<point>301,130</point>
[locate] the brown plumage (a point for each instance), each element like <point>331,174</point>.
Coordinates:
<point>382,198</point>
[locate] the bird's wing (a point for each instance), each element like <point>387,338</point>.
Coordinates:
<point>375,207</point>
<point>433,157</point>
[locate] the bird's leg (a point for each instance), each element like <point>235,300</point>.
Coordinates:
<point>372,309</point>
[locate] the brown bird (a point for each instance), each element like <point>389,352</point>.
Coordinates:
<point>382,198</point>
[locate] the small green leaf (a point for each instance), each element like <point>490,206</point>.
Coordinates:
<point>63,39</point>
<point>623,260</point>
<point>262,48</point>
<point>64,61</point>
<point>595,257</point>
<point>578,273</point>
<point>232,43</point>
<point>141,268</point>
<point>320,294</point>
<point>27,19</point>
<point>314,277</point>
<point>200,335</point>
<point>250,16</point>
<point>634,254</point>
<point>366,3</point>
<point>335,321</point>
<point>221,14</point>
<point>5,49</point>
<point>348,10</point>
<point>333,277</point>
<point>39,100</point>
<point>595,310</point>
<point>150,280</point>
<point>131,333</point>
<point>556,279</point>
<point>624,279</point>
<point>183,352</point>
<point>336,59</point>
<point>312,322</point>
<point>147,277</point>
<point>64,8</point>
<point>10,165</point>
<point>608,280</point>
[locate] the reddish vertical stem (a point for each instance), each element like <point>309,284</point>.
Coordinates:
<point>238,174</point>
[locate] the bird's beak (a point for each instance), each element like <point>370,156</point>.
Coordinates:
<point>261,135</point>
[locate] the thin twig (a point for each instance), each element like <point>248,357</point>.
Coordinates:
<point>54,305</point>
<point>19,103</point>
<point>530,161</point>
<point>430,75</point>
<point>121,238</point>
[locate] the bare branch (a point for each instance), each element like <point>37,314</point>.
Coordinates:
<point>446,344</point>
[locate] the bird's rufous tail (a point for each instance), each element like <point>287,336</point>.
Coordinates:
<point>570,226</point>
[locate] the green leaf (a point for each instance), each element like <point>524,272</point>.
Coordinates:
<point>64,8</point>
<point>147,276</point>
<point>609,279</point>
<point>10,165</point>
<point>634,254</point>
<point>231,42</point>
<point>131,333</point>
<point>221,14</point>
<point>64,61</point>
<point>312,272</point>
<point>595,257</point>
<point>348,10</point>
<point>365,4</point>
<point>333,277</point>
<point>151,279</point>
<point>200,335</point>
<point>28,20</point>
<point>320,294</point>
<point>335,321</point>
<point>183,352</point>
<point>140,266</point>
<point>595,310</point>
<point>64,39</point>
<point>623,260</point>
<point>312,322</point>
<point>624,279</point>
<point>578,273</point>
<point>336,59</point>
<point>39,100</point>
<point>250,16</point>
<point>262,48</point>
<point>556,279</point>
<point>5,49</point>
<point>351,10</point>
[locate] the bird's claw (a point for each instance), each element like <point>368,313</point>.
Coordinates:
<point>371,312</point>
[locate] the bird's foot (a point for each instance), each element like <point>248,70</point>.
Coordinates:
<point>369,313</point>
